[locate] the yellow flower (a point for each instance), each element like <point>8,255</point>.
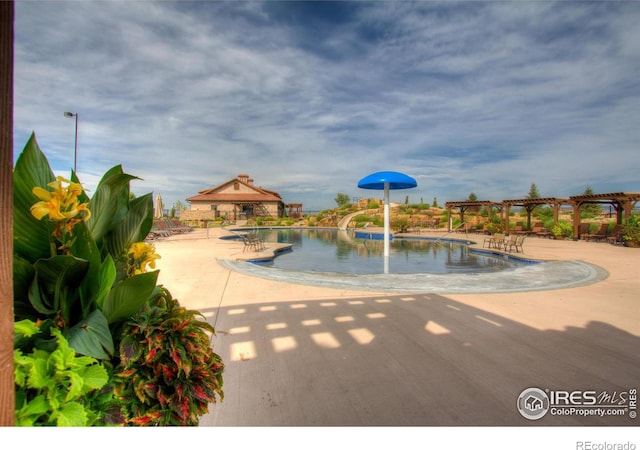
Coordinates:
<point>140,255</point>
<point>60,204</point>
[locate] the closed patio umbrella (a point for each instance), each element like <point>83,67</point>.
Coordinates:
<point>386,181</point>
<point>158,207</point>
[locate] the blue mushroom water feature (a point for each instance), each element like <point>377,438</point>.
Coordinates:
<point>386,181</point>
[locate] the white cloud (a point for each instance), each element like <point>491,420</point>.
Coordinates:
<point>482,97</point>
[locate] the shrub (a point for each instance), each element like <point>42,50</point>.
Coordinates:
<point>631,230</point>
<point>53,383</point>
<point>562,228</point>
<point>373,205</point>
<point>168,373</point>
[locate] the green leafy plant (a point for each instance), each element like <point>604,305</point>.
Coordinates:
<point>631,230</point>
<point>53,384</point>
<point>495,225</point>
<point>168,372</point>
<point>70,262</point>
<point>400,224</point>
<point>562,229</point>
<point>82,270</point>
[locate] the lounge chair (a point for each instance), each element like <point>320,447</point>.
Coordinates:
<point>160,227</point>
<point>176,227</point>
<point>583,230</point>
<point>537,229</point>
<point>465,228</point>
<point>599,235</point>
<point>615,236</point>
<point>519,228</point>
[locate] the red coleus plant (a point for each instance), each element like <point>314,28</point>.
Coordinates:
<point>168,372</point>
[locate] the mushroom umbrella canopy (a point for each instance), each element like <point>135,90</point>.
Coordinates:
<point>385,181</point>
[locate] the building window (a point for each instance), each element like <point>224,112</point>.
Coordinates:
<point>214,207</point>
<point>236,186</point>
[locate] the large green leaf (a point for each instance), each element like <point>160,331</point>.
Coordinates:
<point>134,227</point>
<point>86,248</point>
<point>56,283</point>
<point>128,296</point>
<point>30,236</point>
<point>23,274</point>
<point>110,202</point>
<point>92,336</point>
<point>107,277</point>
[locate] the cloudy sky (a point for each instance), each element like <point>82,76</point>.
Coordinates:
<point>310,97</point>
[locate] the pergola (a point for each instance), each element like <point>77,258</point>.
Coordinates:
<point>465,205</point>
<point>623,203</point>
<point>529,204</point>
<point>295,210</point>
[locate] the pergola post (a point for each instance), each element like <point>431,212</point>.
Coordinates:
<point>7,385</point>
<point>507,209</point>
<point>576,219</point>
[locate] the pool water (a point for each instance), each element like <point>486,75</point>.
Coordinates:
<point>335,251</point>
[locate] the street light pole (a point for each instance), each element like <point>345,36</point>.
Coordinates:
<point>75,148</point>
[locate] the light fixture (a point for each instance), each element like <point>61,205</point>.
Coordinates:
<point>75,147</point>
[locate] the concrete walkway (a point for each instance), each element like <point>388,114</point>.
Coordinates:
<point>300,355</point>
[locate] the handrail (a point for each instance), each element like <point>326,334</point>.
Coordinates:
<point>437,241</point>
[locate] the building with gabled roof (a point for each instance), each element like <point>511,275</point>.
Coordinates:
<point>236,199</point>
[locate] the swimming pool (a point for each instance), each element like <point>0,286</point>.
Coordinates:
<point>342,251</point>
<point>524,277</point>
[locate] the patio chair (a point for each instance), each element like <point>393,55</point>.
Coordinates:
<point>252,242</point>
<point>510,241</point>
<point>516,244</point>
<point>497,241</point>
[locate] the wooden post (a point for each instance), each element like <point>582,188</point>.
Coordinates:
<point>576,219</point>
<point>7,387</point>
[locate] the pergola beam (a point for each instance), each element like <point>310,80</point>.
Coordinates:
<point>529,204</point>
<point>464,205</point>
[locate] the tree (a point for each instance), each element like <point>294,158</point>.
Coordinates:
<point>177,207</point>
<point>435,202</point>
<point>473,198</point>
<point>533,191</point>
<point>341,199</point>
<point>590,209</point>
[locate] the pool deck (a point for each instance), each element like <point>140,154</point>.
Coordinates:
<point>306,355</point>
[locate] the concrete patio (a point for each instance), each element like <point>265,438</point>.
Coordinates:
<point>303,355</point>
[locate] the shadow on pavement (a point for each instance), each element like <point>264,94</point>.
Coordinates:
<point>406,360</point>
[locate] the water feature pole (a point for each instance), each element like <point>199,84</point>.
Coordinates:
<point>387,181</point>
<point>387,228</point>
